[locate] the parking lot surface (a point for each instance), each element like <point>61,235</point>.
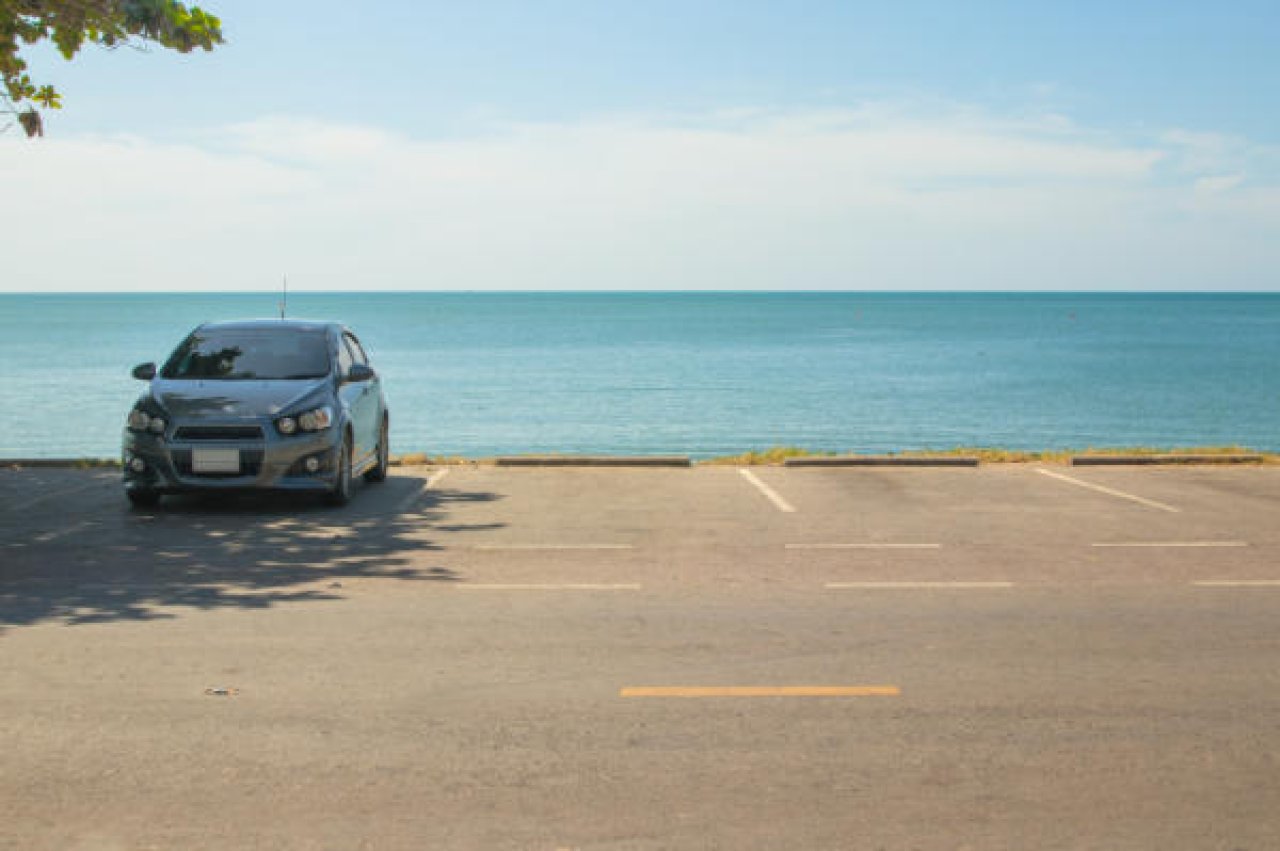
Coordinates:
<point>478,657</point>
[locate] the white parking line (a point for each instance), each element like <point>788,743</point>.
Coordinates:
<point>97,482</point>
<point>769,492</point>
<point>945,585</point>
<point>864,546</point>
<point>64,532</point>
<point>403,506</point>
<point>1150,503</point>
<point>554,586</point>
<point>1238,583</point>
<point>1161,544</point>
<point>553,547</point>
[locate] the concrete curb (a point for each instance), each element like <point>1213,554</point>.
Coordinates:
<point>883,461</point>
<point>1121,460</point>
<point>67,463</point>
<point>592,461</point>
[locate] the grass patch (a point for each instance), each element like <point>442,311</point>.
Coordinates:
<point>1142,451</point>
<point>422,459</point>
<point>779,455</point>
<point>988,454</point>
<point>773,455</point>
<point>64,463</point>
<point>1179,450</point>
<point>995,455</point>
<point>96,463</point>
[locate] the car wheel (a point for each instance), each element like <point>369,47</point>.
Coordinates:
<point>378,472</point>
<point>341,492</point>
<point>143,498</point>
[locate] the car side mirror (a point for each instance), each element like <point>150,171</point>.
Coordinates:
<point>360,372</point>
<point>144,371</point>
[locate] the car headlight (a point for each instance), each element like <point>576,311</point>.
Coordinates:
<point>317,419</point>
<point>140,420</point>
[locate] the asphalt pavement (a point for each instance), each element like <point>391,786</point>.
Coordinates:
<point>1013,656</point>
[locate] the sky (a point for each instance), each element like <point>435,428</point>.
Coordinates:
<point>662,145</point>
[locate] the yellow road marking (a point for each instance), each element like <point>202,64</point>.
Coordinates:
<point>863,546</point>
<point>760,691</point>
<point>923,585</point>
<point>1174,544</point>
<point>553,547</point>
<point>562,586</point>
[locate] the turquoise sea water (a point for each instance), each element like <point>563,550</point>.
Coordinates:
<point>704,373</point>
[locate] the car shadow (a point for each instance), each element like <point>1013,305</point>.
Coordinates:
<point>245,552</point>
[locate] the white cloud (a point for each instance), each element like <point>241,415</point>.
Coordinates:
<point>1218,183</point>
<point>881,196</point>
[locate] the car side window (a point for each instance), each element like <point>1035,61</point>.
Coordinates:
<point>357,351</point>
<point>344,360</point>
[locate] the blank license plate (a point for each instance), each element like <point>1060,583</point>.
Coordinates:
<point>215,460</point>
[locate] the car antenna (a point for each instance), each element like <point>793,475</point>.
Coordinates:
<point>284,295</point>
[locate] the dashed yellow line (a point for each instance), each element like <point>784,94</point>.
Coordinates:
<point>1170,544</point>
<point>921,586</point>
<point>548,586</point>
<point>553,547</point>
<point>866,546</point>
<point>760,691</point>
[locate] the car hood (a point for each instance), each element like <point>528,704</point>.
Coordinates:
<point>231,399</point>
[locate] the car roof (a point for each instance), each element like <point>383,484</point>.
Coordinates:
<point>272,324</point>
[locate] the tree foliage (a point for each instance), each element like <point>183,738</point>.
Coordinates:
<point>71,24</point>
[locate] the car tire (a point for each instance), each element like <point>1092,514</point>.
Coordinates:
<point>340,494</point>
<point>378,472</point>
<point>142,498</point>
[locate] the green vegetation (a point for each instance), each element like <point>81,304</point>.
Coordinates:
<point>1183,450</point>
<point>96,463</point>
<point>993,455</point>
<point>69,24</point>
<point>773,455</point>
<point>1267,457</point>
<point>989,455</point>
<point>422,459</point>
<point>778,455</point>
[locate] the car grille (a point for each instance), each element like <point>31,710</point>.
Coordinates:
<point>250,464</point>
<point>230,432</point>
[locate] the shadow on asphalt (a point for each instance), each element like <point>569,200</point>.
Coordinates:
<point>206,553</point>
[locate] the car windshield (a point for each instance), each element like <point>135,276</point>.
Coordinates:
<point>250,354</point>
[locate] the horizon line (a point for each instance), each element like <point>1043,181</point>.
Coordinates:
<point>276,293</point>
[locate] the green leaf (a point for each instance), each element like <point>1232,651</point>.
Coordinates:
<point>69,24</point>
<point>48,97</point>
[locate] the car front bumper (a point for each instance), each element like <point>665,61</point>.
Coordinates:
<point>168,463</point>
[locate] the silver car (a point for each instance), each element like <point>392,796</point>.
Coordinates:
<point>275,404</point>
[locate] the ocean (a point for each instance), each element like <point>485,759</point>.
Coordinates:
<point>481,374</point>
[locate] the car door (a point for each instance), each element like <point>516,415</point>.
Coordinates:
<point>363,402</point>
<point>351,395</point>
